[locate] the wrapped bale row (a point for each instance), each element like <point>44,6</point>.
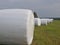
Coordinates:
<point>46,21</point>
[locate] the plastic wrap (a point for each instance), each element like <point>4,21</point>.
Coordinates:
<point>16,26</point>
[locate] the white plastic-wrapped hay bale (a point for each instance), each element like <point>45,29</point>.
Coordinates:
<point>37,21</point>
<point>43,22</point>
<point>49,20</point>
<point>16,26</point>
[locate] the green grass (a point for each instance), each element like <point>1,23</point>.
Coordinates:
<point>47,35</point>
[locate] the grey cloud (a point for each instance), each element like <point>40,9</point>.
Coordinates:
<point>44,8</point>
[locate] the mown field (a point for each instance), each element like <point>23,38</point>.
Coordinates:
<point>47,35</point>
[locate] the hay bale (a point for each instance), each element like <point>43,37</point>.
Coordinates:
<point>49,20</point>
<point>43,22</point>
<point>37,21</point>
<point>16,26</point>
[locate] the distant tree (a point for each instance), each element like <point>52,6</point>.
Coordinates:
<point>56,18</point>
<point>35,15</point>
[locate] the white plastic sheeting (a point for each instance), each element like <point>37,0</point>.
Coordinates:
<point>49,20</point>
<point>46,21</point>
<point>37,21</point>
<point>43,22</point>
<point>16,26</point>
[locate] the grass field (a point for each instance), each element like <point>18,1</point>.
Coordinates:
<point>47,35</point>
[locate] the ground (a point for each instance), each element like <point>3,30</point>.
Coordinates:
<point>47,35</point>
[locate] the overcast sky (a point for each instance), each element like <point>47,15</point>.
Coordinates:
<point>44,8</point>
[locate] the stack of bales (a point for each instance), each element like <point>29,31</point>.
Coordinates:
<point>16,26</point>
<point>46,21</point>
